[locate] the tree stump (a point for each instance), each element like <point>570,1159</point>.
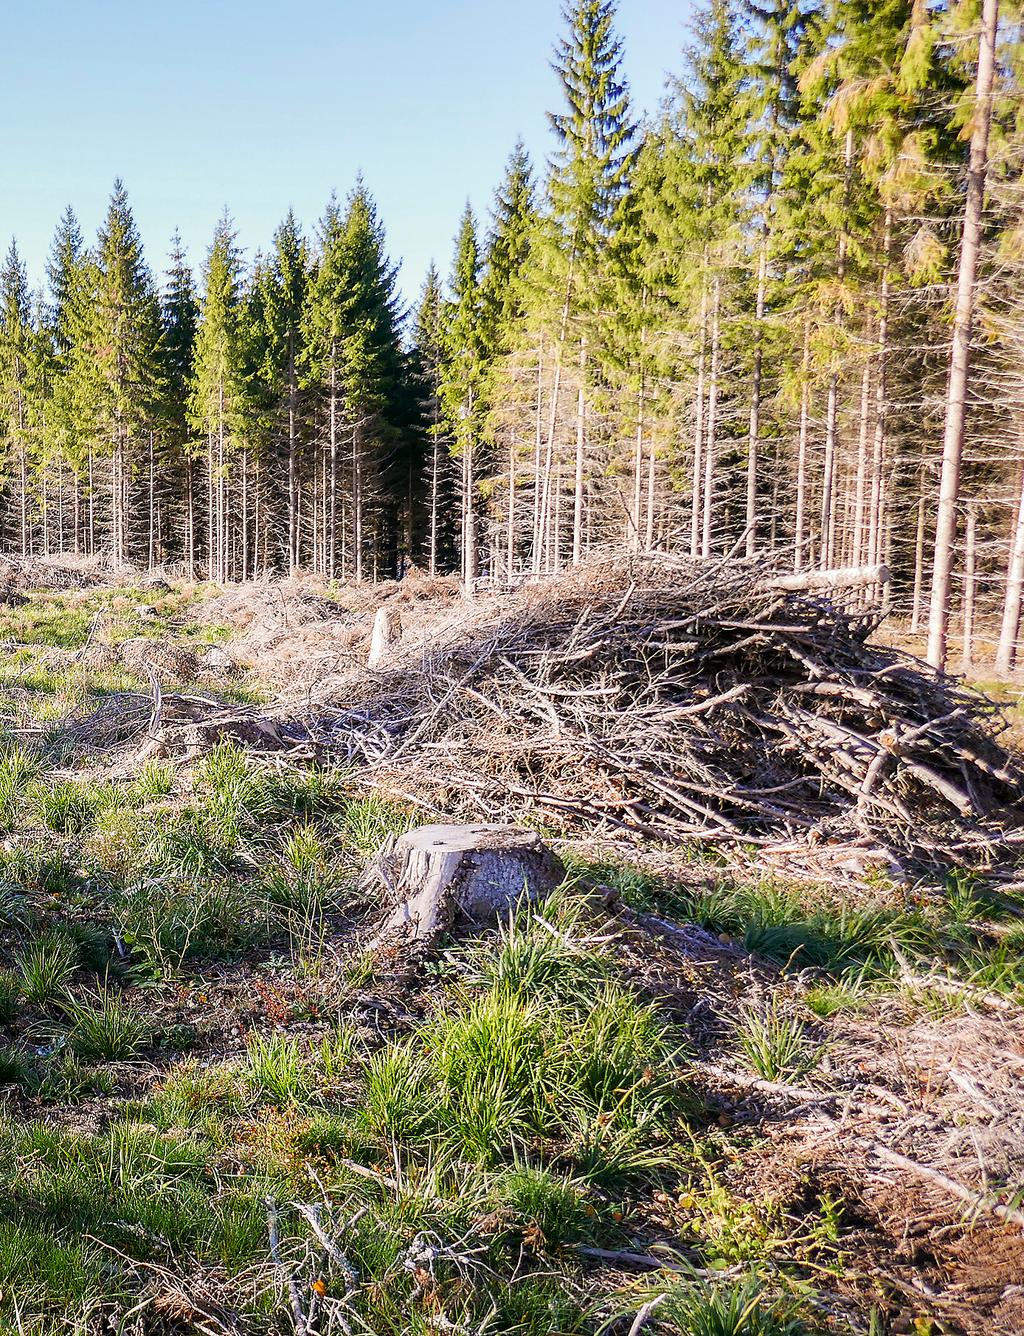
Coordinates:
<point>435,873</point>
<point>387,632</point>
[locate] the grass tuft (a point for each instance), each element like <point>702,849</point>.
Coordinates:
<point>46,968</point>
<point>105,1026</point>
<point>776,1045</point>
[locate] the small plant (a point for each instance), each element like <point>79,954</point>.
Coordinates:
<point>278,1070</point>
<point>15,1069</point>
<point>164,926</point>
<point>725,1310</point>
<point>235,787</point>
<point>551,1210</point>
<point>46,968</point>
<point>10,995</point>
<point>154,779</point>
<point>366,823</point>
<point>63,806</point>
<point>17,770</point>
<point>303,849</point>
<point>191,1093</point>
<point>333,1056</point>
<point>107,1026</point>
<point>776,1045</point>
<point>850,992</point>
<point>540,954</point>
<point>68,1079</point>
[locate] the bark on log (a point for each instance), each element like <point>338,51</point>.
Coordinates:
<point>435,873</point>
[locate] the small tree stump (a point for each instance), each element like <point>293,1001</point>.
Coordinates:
<point>387,632</point>
<point>435,873</point>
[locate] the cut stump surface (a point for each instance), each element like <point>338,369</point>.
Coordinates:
<point>435,873</point>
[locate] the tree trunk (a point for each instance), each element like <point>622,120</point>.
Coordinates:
<point>858,536</point>
<point>754,433</point>
<point>710,446</point>
<point>332,541</point>
<point>152,498</point>
<point>293,459</point>
<point>915,620</point>
<point>638,466</point>
<point>1006,654</point>
<point>510,519</point>
<point>801,457</point>
<point>956,399</point>
<point>970,567</point>
<point>581,441</point>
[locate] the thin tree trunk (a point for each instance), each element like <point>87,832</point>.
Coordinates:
<point>970,567</point>
<point>510,530</point>
<point>754,433</point>
<point>1006,654</point>
<point>638,463</point>
<point>538,446</point>
<point>858,536</point>
<point>876,516</point>
<point>553,416</point>
<point>152,498</point>
<point>832,411</point>
<point>801,457</point>
<point>698,430</point>
<point>293,457</point>
<point>710,446</point>
<point>332,545</point>
<point>915,620</point>
<point>581,441</point>
<point>956,401</point>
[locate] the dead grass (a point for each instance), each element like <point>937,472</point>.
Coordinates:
<point>536,1130</point>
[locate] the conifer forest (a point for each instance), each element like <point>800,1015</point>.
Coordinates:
<point>777,314</point>
<point>512,777</point>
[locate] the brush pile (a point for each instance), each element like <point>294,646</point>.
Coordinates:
<point>680,700</point>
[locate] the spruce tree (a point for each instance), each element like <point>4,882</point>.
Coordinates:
<point>508,245</point>
<point>589,180</point>
<point>180,322</point>
<point>462,382</point>
<point>219,393</point>
<point>125,338</point>
<point>355,363</point>
<point>15,372</point>
<point>283,289</point>
<point>74,426</point>
<point>707,173</point>
<point>428,353</point>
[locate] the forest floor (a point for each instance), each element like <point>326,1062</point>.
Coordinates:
<point>692,1093</point>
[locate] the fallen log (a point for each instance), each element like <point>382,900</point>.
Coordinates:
<point>845,577</point>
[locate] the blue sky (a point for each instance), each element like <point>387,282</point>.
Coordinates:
<point>258,106</point>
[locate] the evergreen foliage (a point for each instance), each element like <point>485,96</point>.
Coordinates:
<point>728,327</point>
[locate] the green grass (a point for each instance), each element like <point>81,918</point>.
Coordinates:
<point>46,967</point>
<point>10,995</point>
<point>105,1025</point>
<point>725,1309</point>
<point>509,1101</point>
<point>63,806</point>
<point>165,923</point>
<point>15,1068</point>
<point>366,823</point>
<point>777,1045</point>
<point>488,1079</point>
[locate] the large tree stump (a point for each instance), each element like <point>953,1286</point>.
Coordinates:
<point>435,873</point>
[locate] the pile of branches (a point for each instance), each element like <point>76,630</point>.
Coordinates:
<point>685,699</point>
